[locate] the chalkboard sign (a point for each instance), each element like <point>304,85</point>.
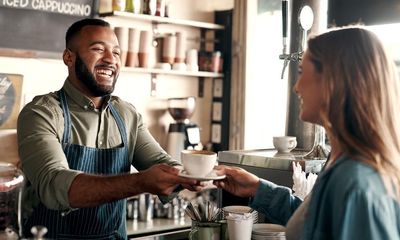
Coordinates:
<point>39,26</point>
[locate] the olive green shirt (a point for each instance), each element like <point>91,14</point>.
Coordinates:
<point>40,131</point>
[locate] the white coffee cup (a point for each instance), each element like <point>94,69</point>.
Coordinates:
<point>239,227</point>
<point>198,163</point>
<point>284,144</point>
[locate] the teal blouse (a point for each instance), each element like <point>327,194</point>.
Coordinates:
<point>348,201</point>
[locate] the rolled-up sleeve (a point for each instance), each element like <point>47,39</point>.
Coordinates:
<point>42,158</point>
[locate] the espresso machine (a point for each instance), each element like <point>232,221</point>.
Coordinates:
<point>182,134</point>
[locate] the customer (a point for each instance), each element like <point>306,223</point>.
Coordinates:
<point>77,145</point>
<point>348,85</point>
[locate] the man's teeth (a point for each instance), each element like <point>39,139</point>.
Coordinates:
<point>104,72</point>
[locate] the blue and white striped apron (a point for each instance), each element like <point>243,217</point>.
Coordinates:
<point>106,221</point>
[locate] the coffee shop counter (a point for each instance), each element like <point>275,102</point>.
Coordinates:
<point>159,228</point>
<point>269,164</point>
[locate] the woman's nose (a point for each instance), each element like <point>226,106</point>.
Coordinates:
<point>295,89</point>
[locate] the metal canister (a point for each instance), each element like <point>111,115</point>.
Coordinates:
<point>146,207</point>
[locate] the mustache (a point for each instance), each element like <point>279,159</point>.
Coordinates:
<point>107,66</point>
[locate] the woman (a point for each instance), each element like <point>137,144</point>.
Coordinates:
<point>348,85</point>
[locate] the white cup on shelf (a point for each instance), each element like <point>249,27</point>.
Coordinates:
<point>192,60</point>
<point>284,144</point>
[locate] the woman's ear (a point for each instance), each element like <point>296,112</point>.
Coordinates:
<point>68,57</point>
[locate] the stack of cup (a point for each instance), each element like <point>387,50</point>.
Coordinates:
<point>133,48</point>
<point>122,34</point>
<point>169,48</point>
<point>144,48</point>
<point>239,226</point>
<point>179,61</point>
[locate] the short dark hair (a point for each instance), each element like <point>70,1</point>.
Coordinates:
<point>74,29</point>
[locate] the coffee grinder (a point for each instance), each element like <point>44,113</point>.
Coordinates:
<point>182,134</point>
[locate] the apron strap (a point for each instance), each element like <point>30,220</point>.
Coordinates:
<point>67,117</point>
<point>120,124</point>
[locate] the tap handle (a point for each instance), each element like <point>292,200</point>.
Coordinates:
<point>284,17</point>
<point>285,64</point>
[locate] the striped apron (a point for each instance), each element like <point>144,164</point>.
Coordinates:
<point>106,221</point>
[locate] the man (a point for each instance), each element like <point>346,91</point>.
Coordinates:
<point>77,145</point>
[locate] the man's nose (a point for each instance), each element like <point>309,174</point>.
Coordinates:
<point>110,57</point>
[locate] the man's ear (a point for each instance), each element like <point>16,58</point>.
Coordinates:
<point>68,57</point>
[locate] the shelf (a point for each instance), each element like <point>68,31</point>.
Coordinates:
<point>164,20</point>
<point>173,72</point>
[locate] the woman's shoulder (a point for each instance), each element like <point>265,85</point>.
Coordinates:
<point>351,175</point>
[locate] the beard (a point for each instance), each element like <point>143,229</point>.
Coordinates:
<point>82,73</point>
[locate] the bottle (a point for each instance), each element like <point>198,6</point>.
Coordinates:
<point>137,6</point>
<point>129,6</point>
<point>118,5</point>
<point>166,12</point>
<point>216,62</point>
<point>149,7</point>
<point>160,8</point>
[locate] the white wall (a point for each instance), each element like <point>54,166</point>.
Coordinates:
<point>266,92</point>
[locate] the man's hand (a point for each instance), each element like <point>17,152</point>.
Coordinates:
<point>161,179</point>
<point>91,190</point>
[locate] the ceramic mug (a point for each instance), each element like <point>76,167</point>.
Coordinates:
<point>284,144</point>
<point>198,163</point>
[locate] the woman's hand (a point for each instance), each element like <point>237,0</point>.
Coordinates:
<point>238,181</point>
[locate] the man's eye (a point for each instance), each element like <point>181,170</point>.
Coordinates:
<point>98,49</point>
<point>117,53</point>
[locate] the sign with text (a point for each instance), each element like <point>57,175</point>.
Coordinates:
<point>82,8</point>
<point>37,27</point>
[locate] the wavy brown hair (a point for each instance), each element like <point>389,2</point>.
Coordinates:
<point>361,98</point>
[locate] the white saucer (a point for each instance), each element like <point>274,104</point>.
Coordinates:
<point>210,176</point>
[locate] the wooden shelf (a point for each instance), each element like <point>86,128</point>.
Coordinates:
<point>173,72</point>
<point>164,20</point>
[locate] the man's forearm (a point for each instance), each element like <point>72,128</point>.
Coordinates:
<point>91,190</point>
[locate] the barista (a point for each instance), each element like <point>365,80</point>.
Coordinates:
<point>77,146</point>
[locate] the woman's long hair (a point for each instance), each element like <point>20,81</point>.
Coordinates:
<point>361,98</point>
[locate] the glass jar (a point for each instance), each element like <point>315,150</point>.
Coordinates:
<point>11,184</point>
